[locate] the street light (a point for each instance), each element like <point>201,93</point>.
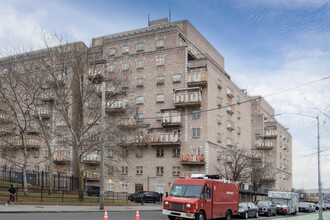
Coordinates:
<point>318,157</point>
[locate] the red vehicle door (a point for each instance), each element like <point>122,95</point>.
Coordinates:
<point>206,201</point>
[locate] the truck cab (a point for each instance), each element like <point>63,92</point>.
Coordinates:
<point>202,198</point>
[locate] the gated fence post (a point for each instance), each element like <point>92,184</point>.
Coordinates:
<point>42,179</point>
<point>41,195</point>
<point>59,180</point>
<point>62,196</point>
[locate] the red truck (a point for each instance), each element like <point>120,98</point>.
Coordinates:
<point>202,198</point>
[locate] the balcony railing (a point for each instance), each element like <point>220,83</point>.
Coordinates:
<point>32,143</point>
<point>92,159</point>
<point>109,88</point>
<point>92,175</point>
<point>47,96</point>
<point>116,106</point>
<point>192,159</point>
<point>171,118</point>
<point>197,78</point>
<point>165,139</point>
<point>33,128</point>
<point>230,109</point>
<point>96,72</point>
<point>270,133</point>
<point>265,144</point>
<point>126,123</point>
<point>61,159</point>
<point>43,112</point>
<point>7,130</point>
<point>270,178</point>
<point>134,140</point>
<point>4,117</point>
<point>188,97</point>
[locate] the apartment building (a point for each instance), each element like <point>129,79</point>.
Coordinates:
<point>273,143</point>
<point>171,110</point>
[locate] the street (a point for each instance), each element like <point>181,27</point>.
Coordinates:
<point>144,215</point>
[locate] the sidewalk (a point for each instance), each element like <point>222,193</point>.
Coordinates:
<point>73,209</point>
<point>315,216</point>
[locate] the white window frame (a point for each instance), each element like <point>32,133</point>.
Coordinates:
<point>140,47</point>
<point>196,132</point>
<point>160,98</point>
<point>125,66</point>
<point>139,170</point>
<point>219,137</point>
<point>140,82</point>
<point>196,114</point>
<point>160,170</point>
<point>175,171</point>
<point>110,187</point>
<point>229,142</point>
<point>111,51</point>
<point>176,78</point>
<point>140,100</point>
<point>219,119</point>
<point>124,170</point>
<point>111,68</point>
<point>139,64</point>
<point>160,43</point>
<point>125,49</point>
<point>124,187</point>
<point>160,80</point>
<point>160,61</point>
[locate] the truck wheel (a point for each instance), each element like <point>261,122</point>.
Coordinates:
<point>246,215</point>
<point>171,217</point>
<point>228,215</point>
<point>201,216</point>
<point>257,214</point>
<point>269,213</point>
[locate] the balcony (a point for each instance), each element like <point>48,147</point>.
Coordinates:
<point>192,159</point>
<point>92,158</point>
<point>265,144</point>
<point>30,143</point>
<point>33,128</point>
<point>134,140</point>
<point>4,117</point>
<point>165,139</point>
<point>171,118</point>
<point>269,178</point>
<point>270,134</point>
<point>92,175</point>
<point>47,96</point>
<point>188,97</point>
<point>43,112</point>
<point>230,109</point>
<point>110,89</point>
<point>197,78</point>
<point>118,106</point>
<point>126,123</point>
<point>61,159</point>
<point>61,79</point>
<point>96,72</point>
<point>6,130</point>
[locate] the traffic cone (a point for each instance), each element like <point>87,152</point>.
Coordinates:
<point>137,217</point>
<point>105,215</point>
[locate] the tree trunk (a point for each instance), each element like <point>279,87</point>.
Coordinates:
<point>81,182</point>
<point>24,173</point>
<point>50,179</point>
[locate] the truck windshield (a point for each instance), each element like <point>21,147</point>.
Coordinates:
<point>186,191</point>
<point>279,201</point>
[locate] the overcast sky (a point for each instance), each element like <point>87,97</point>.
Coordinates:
<point>268,46</point>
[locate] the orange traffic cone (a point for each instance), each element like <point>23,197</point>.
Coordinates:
<point>137,217</point>
<point>105,215</point>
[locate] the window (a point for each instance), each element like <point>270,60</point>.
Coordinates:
<point>160,152</point>
<point>63,92</point>
<point>140,47</point>
<point>176,152</point>
<point>140,100</point>
<point>124,187</point>
<point>124,170</point>
<point>27,66</point>
<point>92,137</point>
<point>238,130</point>
<point>219,119</point>
<point>238,99</point>
<point>138,153</point>
<point>229,93</point>
<point>110,187</point>
<point>219,137</point>
<point>63,137</point>
<point>160,80</point>
<point>124,153</point>
<point>219,85</point>
<point>4,71</point>
<point>176,171</point>
<point>160,61</point>
<point>176,78</point>
<point>229,142</point>
<point>238,115</point>
<point>257,131</point>
<point>139,170</point>
<point>47,167</point>
<point>140,117</point>
<point>139,64</point>
<point>160,170</point>
<point>125,66</point>
<point>160,98</point>
<point>125,49</point>
<point>111,170</point>
<point>46,153</point>
<point>111,51</point>
<point>140,82</point>
<point>160,188</point>
<point>160,43</point>
<point>36,153</point>
<point>111,153</point>
<point>229,125</point>
<point>158,116</point>
<point>196,114</point>
<point>4,85</point>
<point>196,132</point>
<point>14,154</point>
<point>125,84</point>
<point>219,103</point>
<point>269,152</point>
<point>111,68</point>
<point>36,167</point>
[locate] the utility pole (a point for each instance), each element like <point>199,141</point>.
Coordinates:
<point>102,150</point>
<point>319,169</point>
<point>219,165</point>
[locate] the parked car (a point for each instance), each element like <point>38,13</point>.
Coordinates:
<point>313,205</point>
<point>93,191</point>
<point>248,209</point>
<point>305,207</point>
<point>147,196</point>
<point>324,208</point>
<point>327,205</point>
<point>266,207</point>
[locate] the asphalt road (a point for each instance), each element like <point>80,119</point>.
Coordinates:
<point>144,215</point>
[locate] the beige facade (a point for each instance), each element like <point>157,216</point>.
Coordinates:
<point>273,143</point>
<point>182,114</point>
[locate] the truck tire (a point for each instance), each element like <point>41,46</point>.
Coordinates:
<point>269,213</point>
<point>246,215</point>
<point>228,215</point>
<point>171,217</point>
<point>257,214</point>
<point>201,216</point>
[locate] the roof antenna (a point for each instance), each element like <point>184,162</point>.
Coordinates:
<point>148,19</point>
<point>169,15</point>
